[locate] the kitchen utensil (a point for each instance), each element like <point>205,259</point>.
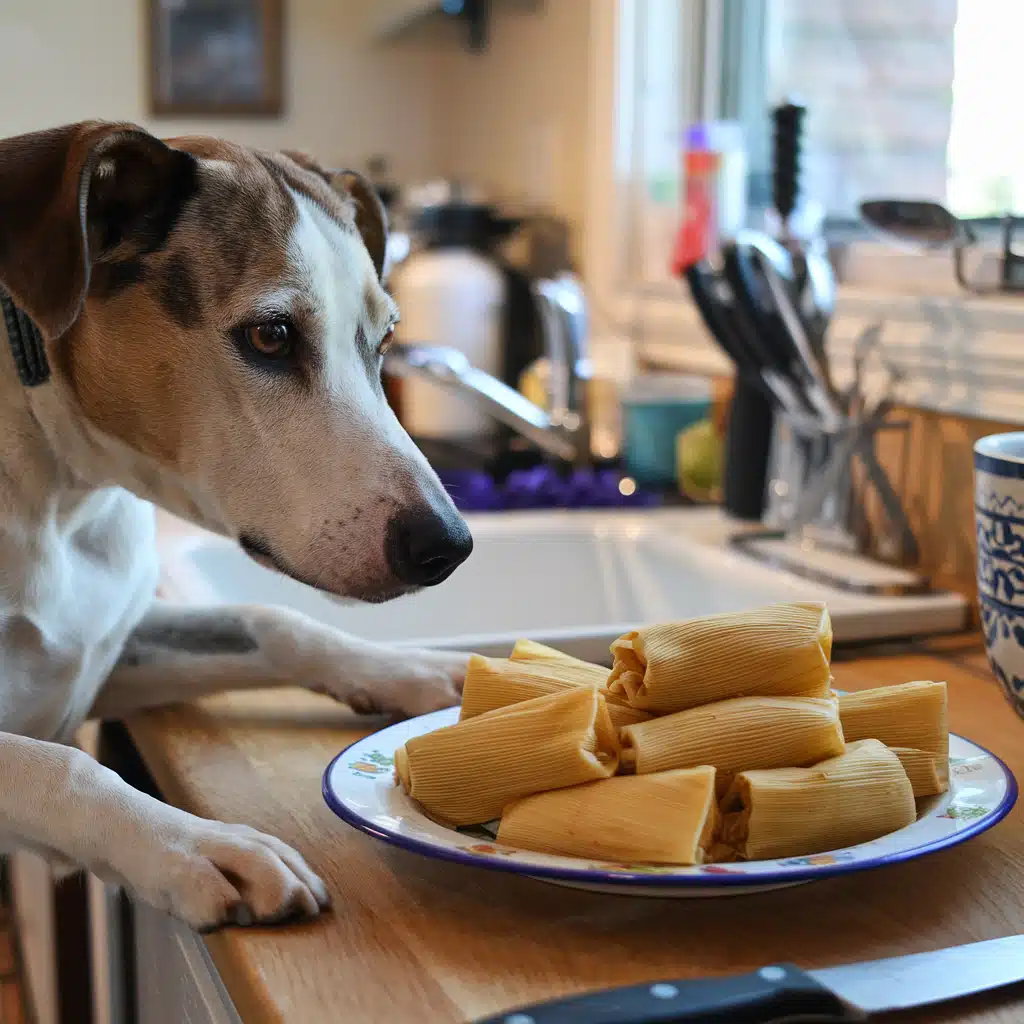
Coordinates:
<point>768,336</point>
<point>766,258</point>
<point>747,262</point>
<point>732,329</point>
<point>901,542</point>
<point>926,226</point>
<point>759,390</point>
<point>817,383</point>
<point>921,226</point>
<point>787,132</point>
<point>812,283</point>
<point>784,992</point>
<point>867,342</point>
<point>359,787</point>
<point>999,520</point>
<point>917,223</point>
<point>738,272</point>
<point>810,279</point>
<point>822,392</point>
<point>711,297</point>
<point>818,300</point>
<point>752,422</point>
<point>856,440</point>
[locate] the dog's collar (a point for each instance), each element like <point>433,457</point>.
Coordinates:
<point>26,343</point>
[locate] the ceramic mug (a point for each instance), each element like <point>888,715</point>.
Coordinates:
<point>999,522</point>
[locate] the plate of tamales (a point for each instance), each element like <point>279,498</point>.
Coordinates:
<point>714,757</point>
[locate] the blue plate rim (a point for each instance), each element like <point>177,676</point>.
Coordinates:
<point>710,880</point>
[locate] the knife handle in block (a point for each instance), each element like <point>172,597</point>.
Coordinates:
<point>777,993</point>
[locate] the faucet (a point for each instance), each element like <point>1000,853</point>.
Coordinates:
<point>563,433</point>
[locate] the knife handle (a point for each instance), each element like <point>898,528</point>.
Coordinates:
<point>780,992</point>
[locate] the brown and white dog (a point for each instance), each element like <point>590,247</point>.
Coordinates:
<point>210,323</point>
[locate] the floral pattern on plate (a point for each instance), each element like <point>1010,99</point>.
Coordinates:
<point>371,764</point>
<point>359,786</point>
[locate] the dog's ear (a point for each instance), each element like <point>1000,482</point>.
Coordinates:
<point>371,217</point>
<point>72,196</point>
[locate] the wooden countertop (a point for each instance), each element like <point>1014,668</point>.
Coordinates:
<point>410,939</point>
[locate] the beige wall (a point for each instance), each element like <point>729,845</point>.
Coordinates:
<point>66,60</point>
<point>512,119</point>
<point>515,117</point>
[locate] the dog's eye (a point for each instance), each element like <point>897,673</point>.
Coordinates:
<point>387,341</point>
<point>272,340</point>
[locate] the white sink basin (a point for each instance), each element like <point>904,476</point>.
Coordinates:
<point>576,579</point>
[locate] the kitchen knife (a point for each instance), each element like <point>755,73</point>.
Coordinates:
<point>724,319</point>
<point>706,289</point>
<point>818,386</point>
<point>782,992</point>
<point>742,281</point>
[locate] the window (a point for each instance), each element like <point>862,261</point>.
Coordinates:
<point>912,98</point>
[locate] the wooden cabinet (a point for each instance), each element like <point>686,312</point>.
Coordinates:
<point>175,979</point>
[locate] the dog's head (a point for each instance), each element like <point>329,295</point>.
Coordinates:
<point>216,316</point>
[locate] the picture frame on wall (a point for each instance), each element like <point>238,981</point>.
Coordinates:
<point>216,57</point>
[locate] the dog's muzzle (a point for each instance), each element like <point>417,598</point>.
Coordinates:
<point>424,548</point>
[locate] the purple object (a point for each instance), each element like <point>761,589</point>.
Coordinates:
<point>539,487</point>
<point>697,137</point>
<point>543,487</point>
<point>472,491</point>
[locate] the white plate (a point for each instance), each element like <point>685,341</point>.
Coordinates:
<point>359,786</point>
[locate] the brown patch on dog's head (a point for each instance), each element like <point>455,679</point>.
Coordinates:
<point>151,312</point>
<point>79,197</point>
<point>163,275</point>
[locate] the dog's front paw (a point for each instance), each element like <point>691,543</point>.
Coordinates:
<point>404,681</point>
<point>213,875</point>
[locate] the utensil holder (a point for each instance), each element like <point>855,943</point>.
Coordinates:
<point>821,481</point>
<point>800,453</point>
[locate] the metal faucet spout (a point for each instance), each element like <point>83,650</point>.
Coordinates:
<point>450,369</point>
<point>564,433</point>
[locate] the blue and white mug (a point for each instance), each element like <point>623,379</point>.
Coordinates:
<point>999,521</point>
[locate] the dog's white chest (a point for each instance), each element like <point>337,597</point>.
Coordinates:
<point>72,588</point>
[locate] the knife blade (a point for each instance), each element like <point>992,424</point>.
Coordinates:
<point>782,992</point>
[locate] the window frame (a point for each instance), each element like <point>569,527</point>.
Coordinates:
<point>624,306</point>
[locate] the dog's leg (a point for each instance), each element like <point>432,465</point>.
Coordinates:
<point>60,799</point>
<point>179,653</point>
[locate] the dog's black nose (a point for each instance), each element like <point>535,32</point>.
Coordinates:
<point>424,548</point>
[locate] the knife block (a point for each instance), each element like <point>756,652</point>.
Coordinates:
<point>747,448</point>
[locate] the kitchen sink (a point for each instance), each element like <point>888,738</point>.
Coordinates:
<point>574,579</point>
